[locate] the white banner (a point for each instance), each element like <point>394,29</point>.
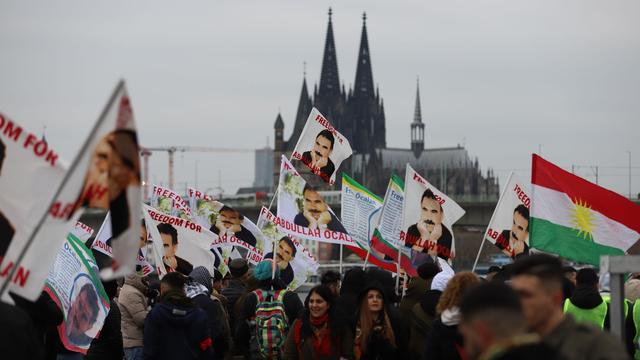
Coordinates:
<point>428,217</point>
<point>186,244</point>
<point>360,211</point>
<point>30,173</point>
<point>229,224</point>
<point>509,226</point>
<point>295,261</point>
<point>321,147</point>
<point>169,202</point>
<point>303,213</point>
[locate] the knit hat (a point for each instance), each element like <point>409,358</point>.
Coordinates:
<point>264,270</point>
<point>587,276</point>
<point>238,267</point>
<point>201,275</point>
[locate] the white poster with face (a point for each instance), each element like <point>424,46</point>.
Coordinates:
<point>296,263</point>
<point>509,226</point>
<point>169,202</point>
<point>321,147</point>
<point>74,285</point>
<point>228,223</point>
<point>303,212</point>
<point>428,217</point>
<point>185,244</point>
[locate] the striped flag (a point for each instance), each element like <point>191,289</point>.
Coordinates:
<point>579,220</point>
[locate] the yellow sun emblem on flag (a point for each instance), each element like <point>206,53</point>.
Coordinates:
<point>583,219</point>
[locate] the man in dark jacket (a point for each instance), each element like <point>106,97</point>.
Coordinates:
<point>494,327</point>
<point>108,344</point>
<point>176,328</point>
<point>199,290</point>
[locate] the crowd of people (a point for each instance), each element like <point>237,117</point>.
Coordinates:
<point>532,309</point>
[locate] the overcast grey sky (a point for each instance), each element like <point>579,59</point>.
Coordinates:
<point>503,76</point>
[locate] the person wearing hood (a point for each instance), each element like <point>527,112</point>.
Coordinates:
<point>444,341</point>
<point>176,328</point>
<point>199,290</point>
<point>354,280</point>
<point>320,333</point>
<point>423,312</point>
<point>133,309</point>
<point>378,333</point>
<point>417,287</point>
<point>586,305</point>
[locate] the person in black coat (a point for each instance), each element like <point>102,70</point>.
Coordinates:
<point>108,344</point>
<point>380,332</point>
<point>18,336</point>
<point>176,328</point>
<point>199,290</point>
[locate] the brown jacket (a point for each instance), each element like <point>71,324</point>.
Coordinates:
<point>134,308</point>
<point>578,341</point>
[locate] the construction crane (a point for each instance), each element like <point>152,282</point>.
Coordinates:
<point>145,152</point>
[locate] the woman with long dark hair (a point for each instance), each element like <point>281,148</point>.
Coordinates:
<point>380,333</point>
<point>319,333</point>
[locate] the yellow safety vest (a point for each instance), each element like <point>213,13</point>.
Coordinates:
<point>636,321</point>
<point>595,316</point>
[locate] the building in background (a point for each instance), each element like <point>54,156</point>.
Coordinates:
<point>358,113</point>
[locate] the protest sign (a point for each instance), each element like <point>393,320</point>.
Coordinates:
<point>169,202</point>
<point>321,147</point>
<point>428,217</point>
<point>82,231</point>
<point>296,262</point>
<point>30,173</point>
<point>360,215</point>
<point>509,226</point>
<point>74,285</point>
<point>228,223</point>
<point>105,175</point>
<point>303,212</point>
<point>385,242</point>
<point>186,244</point>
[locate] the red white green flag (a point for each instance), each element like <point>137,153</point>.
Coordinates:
<point>577,219</point>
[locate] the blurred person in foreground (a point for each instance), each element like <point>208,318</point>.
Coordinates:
<point>494,328</point>
<point>537,279</point>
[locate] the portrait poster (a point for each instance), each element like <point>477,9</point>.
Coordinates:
<point>428,217</point>
<point>184,243</point>
<point>169,202</point>
<point>296,263</point>
<point>303,212</point>
<point>509,226</point>
<point>321,147</point>
<point>74,285</point>
<point>229,224</point>
<point>104,175</point>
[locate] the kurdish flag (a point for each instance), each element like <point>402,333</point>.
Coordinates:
<point>579,220</point>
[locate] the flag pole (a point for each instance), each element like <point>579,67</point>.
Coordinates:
<point>340,267</point>
<point>63,183</point>
<point>484,237</point>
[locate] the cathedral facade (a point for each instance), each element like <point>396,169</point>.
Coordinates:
<point>358,113</point>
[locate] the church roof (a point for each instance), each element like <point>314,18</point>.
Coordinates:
<point>394,158</point>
